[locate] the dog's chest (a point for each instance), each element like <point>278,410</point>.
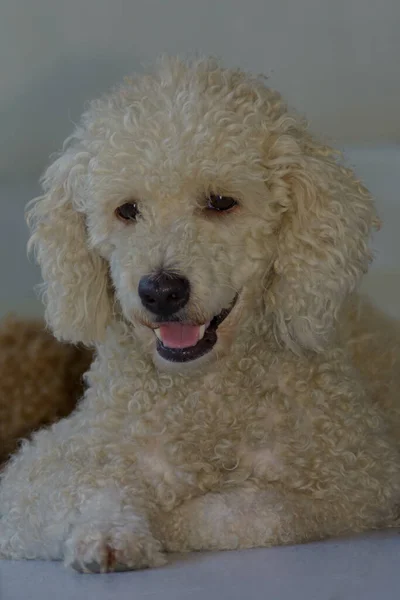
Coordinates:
<point>191,438</point>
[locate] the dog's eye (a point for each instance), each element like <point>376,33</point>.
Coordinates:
<point>127,212</point>
<point>220,203</point>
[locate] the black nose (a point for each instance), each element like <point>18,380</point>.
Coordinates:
<point>164,294</point>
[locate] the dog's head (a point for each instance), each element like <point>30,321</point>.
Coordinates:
<point>190,201</point>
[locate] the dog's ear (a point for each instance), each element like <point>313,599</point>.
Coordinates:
<point>75,288</point>
<point>322,242</point>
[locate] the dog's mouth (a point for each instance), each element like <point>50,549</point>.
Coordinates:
<point>183,342</point>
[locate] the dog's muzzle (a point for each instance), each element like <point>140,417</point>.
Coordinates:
<point>182,342</point>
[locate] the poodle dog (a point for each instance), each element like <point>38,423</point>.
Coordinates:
<point>40,379</point>
<point>209,247</point>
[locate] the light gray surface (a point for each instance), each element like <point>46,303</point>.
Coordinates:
<point>335,61</point>
<point>362,568</point>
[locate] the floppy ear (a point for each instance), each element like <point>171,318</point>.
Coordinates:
<point>75,287</point>
<point>322,243</point>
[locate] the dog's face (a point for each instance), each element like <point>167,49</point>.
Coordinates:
<point>190,202</point>
<point>177,205</point>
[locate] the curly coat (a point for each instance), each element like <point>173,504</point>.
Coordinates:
<point>288,430</point>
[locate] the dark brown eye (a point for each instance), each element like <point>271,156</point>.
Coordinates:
<point>220,203</point>
<point>127,212</point>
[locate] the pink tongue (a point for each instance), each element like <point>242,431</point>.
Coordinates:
<point>179,335</point>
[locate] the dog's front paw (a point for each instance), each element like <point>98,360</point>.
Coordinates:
<point>92,549</point>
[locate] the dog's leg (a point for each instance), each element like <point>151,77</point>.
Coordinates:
<point>65,497</point>
<point>248,517</point>
<point>112,533</point>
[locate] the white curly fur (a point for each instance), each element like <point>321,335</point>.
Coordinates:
<point>288,430</point>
